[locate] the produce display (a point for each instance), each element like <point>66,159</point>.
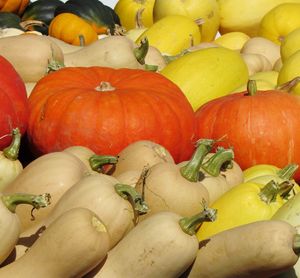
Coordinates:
<point>150,139</point>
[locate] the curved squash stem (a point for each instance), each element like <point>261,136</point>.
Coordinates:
<point>191,224</point>
<point>138,18</point>
<point>288,86</point>
<point>98,161</point>
<point>190,171</point>
<point>129,193</point>
<point>31,23</point>
<point>141,51</point>
<point>11,201</point>
<point>12,151</point>
<point>213,166</point>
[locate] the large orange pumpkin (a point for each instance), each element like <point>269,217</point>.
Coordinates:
<point>105,109</point>
<point>13,102</point>
<point>263,127</point>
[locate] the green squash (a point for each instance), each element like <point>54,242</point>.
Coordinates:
<point>41,10</point>
<point>10,20</point>
<point>103,18</point>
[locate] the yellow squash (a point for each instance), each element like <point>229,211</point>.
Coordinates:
<point>245,203</point>
<point>290,44</point>
<point>208,73</point>
<point>280,21</point>
<point>172,34</point>
<point>245,15</point>
<point>127,10</point>
<point>208,10</point>
<point>289,70</point>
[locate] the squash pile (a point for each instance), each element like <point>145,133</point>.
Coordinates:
<point>150,139</point>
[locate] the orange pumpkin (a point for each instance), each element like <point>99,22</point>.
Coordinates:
<point>105,109</point>
<point>72,29</point>
<point>13,6</point>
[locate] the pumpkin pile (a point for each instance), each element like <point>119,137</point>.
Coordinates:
<point>150,139</point>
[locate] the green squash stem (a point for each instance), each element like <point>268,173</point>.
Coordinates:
<point>191,224</point>
<point>98,161</point>
<point>251,88</point>
<point>11,201</point>
<point>12,151</point>
<point>128,192</point>
<point>190,171</point>
<point>272,189</point>
<point>141,51</point>
<point>287,172</point>
<point>214,165</point>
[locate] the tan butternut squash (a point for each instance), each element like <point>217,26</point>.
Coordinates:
<point>140,154</point>
<point>117,205</point>
<point>164,245</point>
<point>260,249</point>
<point>31,55</point>
<point>111,51</point>
<point>54,173</point>
<point>9,220</point>
<point>70,247</point>
<point>64,46</point>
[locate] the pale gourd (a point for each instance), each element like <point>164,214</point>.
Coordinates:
<point>32,56</point>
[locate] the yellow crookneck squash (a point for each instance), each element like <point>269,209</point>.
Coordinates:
<point>245,203</point>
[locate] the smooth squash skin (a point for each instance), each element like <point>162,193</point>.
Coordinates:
<point>206,74</point>
<point>116,205</point>
<point>112,51</point>
<point>172,34</point>
<point>260,249</point>
<point>70,247</point>
<point>243,204</point>
<point>164,245</point>
<point>34,64</point>
<point>141,154</point>
<point>54,173</point>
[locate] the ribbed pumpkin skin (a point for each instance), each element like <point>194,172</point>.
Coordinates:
<point>262,129</point>
<point>13,102</point>
<point>66,110</point>
<point>14,6</point>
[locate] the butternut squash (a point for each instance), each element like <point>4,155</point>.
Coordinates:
<point>70,247</point>
<point>54,173</point>
<point>117,205</point>
<point>31,55</point>
<point>111,51</point>
<point>10,222</point>
<point>260,249</point>
<point>164,245</point>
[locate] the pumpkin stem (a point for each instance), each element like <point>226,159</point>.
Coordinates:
<point>98,161</point>
<point>141,51</point>
<point>11,201</point>
<point>81,40</point>
<point>190,225</point>
<point>214,164</point>
<point>287,172</point>
<point>290,85</point>
<point>105,87</point>
<point>272,189</point>
<point>128,192</point>
<point>251,88</point>
<point>190,171</point>
<point>12,151</point>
